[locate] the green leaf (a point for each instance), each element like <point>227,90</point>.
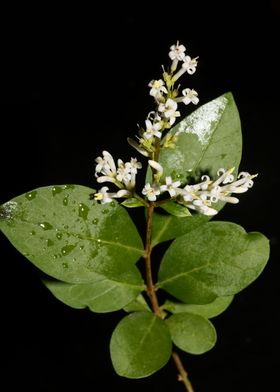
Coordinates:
<point>140,345</point>
<point>70,237</point>
<point>192,333</point>
<point>213,309</point>
<point>132,203</point>
<point>137,305</point>
<point>166,227</point>
<point>208,139</point>
<point>216,259</point>
<point>175,209</point>
<point>102,295</point>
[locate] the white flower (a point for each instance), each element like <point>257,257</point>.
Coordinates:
<point>150,192</point>
<point>170,186</point>
<point>190,96</point>
<point>190,64</point>
<point>103,196</point>
<point>169,110</point>
<point>177,52</point>
<point>123,172</point>
<point>134,165</point>
<point>152,129</point>
<point>105,165</point>
<point>157,88</point>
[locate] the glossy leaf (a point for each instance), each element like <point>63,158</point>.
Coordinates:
<point>176,209</point>
<point>216,259</point>
<point>137,305</point>
<point>132,203</point>
<point>70,237</point>
<point>191,332</point>
<point>207,140</point>
<point>213,309</point>
<point>101,295</point>
<point>166,227</point>
<point>140,345</point>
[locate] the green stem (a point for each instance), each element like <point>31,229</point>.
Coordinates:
<point>183,375</point>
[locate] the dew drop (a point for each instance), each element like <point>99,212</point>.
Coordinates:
<point>65,201</point>
<point>56,190</point>
<point>66,227</point>
<point>50,242</point>
<point>105,211</point>
<point>32,232</point>
<point>95,221</point>
<point>67,249</point>
<point>81,247</point>
<point>64,265</point>
<point>112,204</point>
<point>31,195</point>
<point>73,259</point>
<point>55,256</point>
<point>58,236</point>
<point>99,243</point>
<point>83,211</point>
<point>69,186</point>
<point>45,226</point>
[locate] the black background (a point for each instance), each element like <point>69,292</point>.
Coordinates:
<point>74,81</point>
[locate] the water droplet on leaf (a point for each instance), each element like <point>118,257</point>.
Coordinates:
<point>64,265</point>
<point>50,242</point>
<point>65,201</point>
<point>31,195</point>
<point>95,221</point>
<point>45,225</point>
<point>105,211</point>
<point>56,190</point>
<point>83,211</point>
<point>59,236</point>
<point>67,249</point>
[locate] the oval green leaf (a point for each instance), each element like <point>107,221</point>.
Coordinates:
<point>70,237</point>
<point>192,333</point>
<point>216,259</point>
<point>218,306</point>
<point>101,295</point>
<point>140,345</point>
<point>176,209</point>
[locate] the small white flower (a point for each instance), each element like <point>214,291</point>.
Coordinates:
<point>190,96</point>
<point>105,165</point>
<point>150,192</point>
<point>103,196</point>
<point>177,52</point>
<point>170,186</point>
<point>157,88</point>
<point>190,64</point>
<point>134,165</point>
<point>123,172</point>
<point>152,129</point>
<point>169,110</point>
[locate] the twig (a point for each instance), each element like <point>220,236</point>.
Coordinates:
<point>183,375</point>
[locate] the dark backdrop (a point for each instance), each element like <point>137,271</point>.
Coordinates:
<point>74,83</point>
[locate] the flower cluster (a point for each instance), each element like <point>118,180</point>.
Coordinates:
<point>199,197</point>
<point>167,98</point>
<point>123,176</point>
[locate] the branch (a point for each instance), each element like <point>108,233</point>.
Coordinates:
<point>183,375</point>
<point>149,278</point>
